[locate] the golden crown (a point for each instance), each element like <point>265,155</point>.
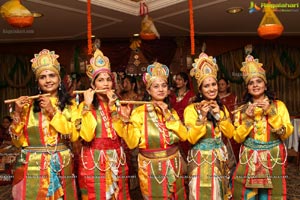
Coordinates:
<point>252,67</point>
<point>203,67</point>
<point>98,63</point>
<point>45,59</point>
<point>155,70</point>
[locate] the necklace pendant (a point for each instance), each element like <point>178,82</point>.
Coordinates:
<point>179,99</point>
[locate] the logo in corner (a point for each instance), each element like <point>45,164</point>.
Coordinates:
<point>253,7</point>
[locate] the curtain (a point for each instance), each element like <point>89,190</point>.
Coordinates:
<point>16,79</point>
<point>282,65</point>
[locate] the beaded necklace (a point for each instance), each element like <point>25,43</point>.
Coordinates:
<point>253,156</point>
<point>169,166</point>
<point>113,161</point>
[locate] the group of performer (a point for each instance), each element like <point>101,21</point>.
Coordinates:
<point>44,126</point>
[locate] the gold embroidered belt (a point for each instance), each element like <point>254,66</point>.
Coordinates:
<point>59,147</point>
<point>159,153</point>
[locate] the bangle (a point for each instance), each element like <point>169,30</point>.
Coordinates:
<point>124,119</point>
<point>16,120</point>
<point>78,124</point>
<point>86,107</point>
<point>118,104</point>
<point>51,114</point>
<point>271,111</point>
<point>248,122</point>
<point>279,131</point>
<point>201,120</point>
<point>113,113</point>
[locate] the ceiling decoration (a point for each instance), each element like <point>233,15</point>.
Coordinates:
<point>148,29</point>
<point>16,14</point>
<point>67,20</point>
<point>132,7</point>
<point>270,27</point>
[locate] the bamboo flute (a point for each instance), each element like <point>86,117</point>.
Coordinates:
<point>135,102</point>
<point>30,97</point>
<point>82,91</point>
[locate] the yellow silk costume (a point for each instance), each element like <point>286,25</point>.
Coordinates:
<point>207,168</point>
<point>135,135</point>
<point>103,172</point>
<point>261,169</point>
<point>45,160</point>
<point>161,167</point>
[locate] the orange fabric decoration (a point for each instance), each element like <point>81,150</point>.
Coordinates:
<point>147,36</point>
<point>16,14</point>
<point>270,27</point>
<point>192,32</point>
<point>20,22</point>
<point>89,28</point>
<point>270,32</point>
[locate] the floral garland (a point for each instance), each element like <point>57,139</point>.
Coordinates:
<point>89,27</point>
<point>192,31</point>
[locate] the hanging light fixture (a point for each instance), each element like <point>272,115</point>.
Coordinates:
<point>17,15</point>
<point>148,29</point>
<point>234,10</point>
<point>270,27</point>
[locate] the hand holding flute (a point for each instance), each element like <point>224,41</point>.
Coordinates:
<point>29,97</point>
<point>211,107</point>
<point>249,107</point>
<point>24,100</point>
